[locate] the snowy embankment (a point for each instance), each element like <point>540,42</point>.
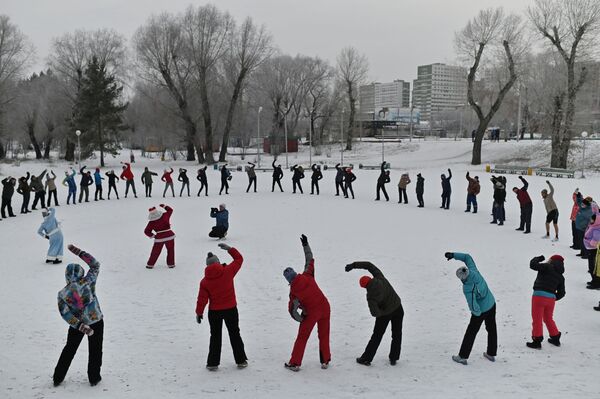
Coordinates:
<point>154,348</point>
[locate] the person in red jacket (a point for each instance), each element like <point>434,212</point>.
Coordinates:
<point>217,288</point>
<point>127,175</point>
<point>306,295</point>
<point>526,206</point>
<point>159,228</point>
<point>166,177</point>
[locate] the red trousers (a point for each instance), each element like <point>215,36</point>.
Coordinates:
<point>542,310</point>
<point>157,249</point>
<point>321,319</point>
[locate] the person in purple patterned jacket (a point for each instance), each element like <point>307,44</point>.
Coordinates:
<point>79,307</point>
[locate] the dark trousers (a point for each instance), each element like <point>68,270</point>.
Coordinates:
<point>574,233</point>
<point>348,188</point>
<point>217,232</point>
<point>231,319</point>
<point>381,187</point>
<point>98,192</point>
<point>224,186</point>
<point>184,185</point>
<point>167,185</point>
<point>489,318</point>
<point>296,184</point>
<point>401,195</point>
<point>498,212</point>
<point>84,190</point>
<point>580,234</point>
<point>278,181</point>
<point>40,196</point>
<point>148,187</point>
<point>52,193</point>
<point>446,200</point>
<point>339,185</point>
<point>74,338</point>
<point>203,186</point>
<point>381,324</point>
<point>129,183</point>
<point>25,205</point>
<point>591,254</point>
<point>314,184</point>
<point>252,180</point>
<point>72,195</point>
<point>526,211</point>
<point>113,187</point>
<point>6,205</point>
<point>420,199</point>
<point>471,200</point>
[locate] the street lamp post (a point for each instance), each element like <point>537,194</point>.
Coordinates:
<point>383,111</point>
<point>258,136</point>
<point>78,133</point>
<point>342,137</point>
<point>286,140</point>
<point>584,135</point>
<point>411,122</point>
<point>310,143</point>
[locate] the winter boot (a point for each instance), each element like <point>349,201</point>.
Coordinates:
<point>597,307</point>
<point>242,365</point>
<point>324,366</point>
<point>393,362</point>
<point>362,361</point>
<point>212,368</point>
<point>489,357</point>
<point>536,343</point>
<point>291,367</point>
<point>474,209</point>
<point>95,382</point>
<point>56,261</point>
<point>459,359</point>
<point>555,340</point>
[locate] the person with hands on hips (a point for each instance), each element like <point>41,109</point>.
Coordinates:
<point>481,304</point>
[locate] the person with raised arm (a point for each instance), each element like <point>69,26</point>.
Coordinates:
<point>473,190</point>
<point>159,228</point>
<point>166,177</point>
<point>315,177</point>
<point>50,230</point>
<point>24,189</point>
<point>225,177</point>
<point>277,176</point>
<point>69,181</point>
<point>382,180</point>
<point>8,190</point>
<point>551,211</point>
<point>50,185</point>
<point>98,181</point>
<point>112,183</point>
<point>37,186</point>
<point>185,181</point>
<point>127,175</point>
<point>297,177</point>
<point>526,206</point>
<point>251,176</point>
<point>446,189</point>
<point>339,180</point>
<point>201,177</point>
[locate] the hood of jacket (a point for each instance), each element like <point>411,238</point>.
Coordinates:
<point>73,273</point>
<point>214,271</point>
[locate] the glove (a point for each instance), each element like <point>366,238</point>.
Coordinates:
<point>162,205</point>
<point>214,209</point>
<point>449,255</point>
<point>540,258</point>
<point>47,237</point>
<point>74,249</point>
<point>199,318</point>
<point>304,240</point>
<point>224,246</point>
<point>547,181</point>
<point>349,267</point>
<point>87,330</point>
<point>577,190</point>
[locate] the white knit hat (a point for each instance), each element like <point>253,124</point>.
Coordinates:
<point>155,213</point>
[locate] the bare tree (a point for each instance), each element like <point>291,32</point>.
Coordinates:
<point>571,27</point>
<point>163,62</point>
<point>206,32</point>
<point>352,69</point>
<point>494,37</point>
<point>250,46</point>
<point>16,52</point>
<point>318,95</point>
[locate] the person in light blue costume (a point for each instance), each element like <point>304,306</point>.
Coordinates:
<point>482,306</point>
<point>51,231</point>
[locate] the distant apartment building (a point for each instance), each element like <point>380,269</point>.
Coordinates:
<point>439,87</point>
<point>375,96</point>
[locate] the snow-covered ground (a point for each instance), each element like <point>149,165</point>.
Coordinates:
<point>153,347</point>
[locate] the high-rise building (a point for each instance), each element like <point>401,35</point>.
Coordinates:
<point>377,95</point>
<point>439,87</point>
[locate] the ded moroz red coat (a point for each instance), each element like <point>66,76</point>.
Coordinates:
<point>304,290</point>
<point>127,174</point>
<point>160,229</point>
<point>217,285</point>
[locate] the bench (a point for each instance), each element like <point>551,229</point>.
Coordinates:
<point>373,167</point>
<point>510,169</point>
<point>555,172</point>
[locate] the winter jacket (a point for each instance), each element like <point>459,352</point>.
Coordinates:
<point>474,187</point>
<point>305,293</point>
<point>8,187</point>
<point>202,174</point>
<point>69,180</point>
<point>87,180</point>
<point>479,297</point>
<point>23,187</point>
<point>582,220</point>
<point>339,177</point>
<point>83,175</point>
<point>50,225</point>
<point>225,173</point>
<point>404,181</point>
<point>384,176</point>
<point>277,171</point>
<point>420,189</point>
<point>550,277</point>
<point>499,189</point>
<point>221,216</point>
<point>522,194</point>
<point>147,177</point>
<point>166,177</point>
<point>349,177</point>
<point>250,170</point>
<point>127,174</point>
<point>298,173</point>
<point>446,186</point>
<point>575,208</point>
<point>98,178</point>
<point>160,229</point>
<point>50,182</point>
<point>549,200</point>
<point>591,239</point>
<point>381,296</point>
<point>37,182</point>
<point>317,174</point>
<point>112,178</point>
<point>183,177</point>
<point>217,285</point>
<point>77,302</point>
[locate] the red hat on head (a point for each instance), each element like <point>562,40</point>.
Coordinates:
<point>364,281</point>
<point>557,258</point>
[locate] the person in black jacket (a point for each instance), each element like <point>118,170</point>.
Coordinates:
<point>147,181</point>
<point>8,190</point>
<point>382,180</point>
<point>37,186</point>
<point>315,177</point>
<point>446,190</point>
<point>385,305</point>
<point>225,177</point>
<point>112,182</point>
<point>201,177</point>
<point>499,199</point>
<point>420,190</point>
<point>277,175</point>
<point>349,177</point>
<point>549,287</point>
<point>85,183</point>
<point>24,189</point>
<point>185,181</point>
<point>339,181</point>
<point>296,177</point>
<point>251,176</point>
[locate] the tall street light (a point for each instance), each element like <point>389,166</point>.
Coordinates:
<point>286,140</point>
<point>342,136</point>
<point>383,111</point>
<point>310,138</point>
<point>258,136</point>
<point>78,133</point>
<point>584,135</point>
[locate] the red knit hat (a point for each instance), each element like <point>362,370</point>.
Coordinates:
<point>557,258</point>
<point>364,281</point>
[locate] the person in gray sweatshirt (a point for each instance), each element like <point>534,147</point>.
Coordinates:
<point>551,211</point>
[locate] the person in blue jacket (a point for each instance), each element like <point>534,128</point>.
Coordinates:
<point>98,181</point>
<point>50,230</point>
<point>69,181</point>
<point>481,304</point>
<point>222,216</point>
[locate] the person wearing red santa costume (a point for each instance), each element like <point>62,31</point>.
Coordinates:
<point>159,228</point>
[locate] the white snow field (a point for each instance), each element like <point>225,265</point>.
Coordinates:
<point>153,347</point>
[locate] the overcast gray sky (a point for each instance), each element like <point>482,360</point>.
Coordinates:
<point>396,35</point>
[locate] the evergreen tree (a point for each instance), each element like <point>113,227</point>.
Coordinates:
<point>99,111</point>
